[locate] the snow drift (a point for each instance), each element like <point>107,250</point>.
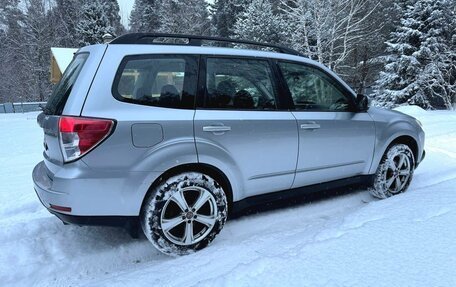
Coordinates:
<point>350,240</point>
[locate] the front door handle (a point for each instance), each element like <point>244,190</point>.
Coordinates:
<point>216,129</point>
<point>310,126</point>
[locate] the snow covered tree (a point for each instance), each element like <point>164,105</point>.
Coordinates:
<point>3,59</point>
<point>112,13</point>
<point>37,55</point>
<point>327,30</point>
<point>94,23</point>
<point>13,75</point>
<point>187,17</point>
<point>259,23</point>
<point>145,16</point>
<point>419,61</point>
<point>438,55</point>
<point>225,14</point>
<point>25,43</point>
<point>64,17</point>
<point>362,66</point>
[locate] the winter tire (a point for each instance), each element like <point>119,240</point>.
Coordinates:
<point>394,173</point>
<point>184,213</point>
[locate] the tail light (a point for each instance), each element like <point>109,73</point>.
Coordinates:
<point>79,135</point>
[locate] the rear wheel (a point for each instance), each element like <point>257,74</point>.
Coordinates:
<point>394,173</point>
<point>184,213</point>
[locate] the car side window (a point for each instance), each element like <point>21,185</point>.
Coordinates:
<point>164,81</point>
<point>239,84</point>
<point>312,89</point>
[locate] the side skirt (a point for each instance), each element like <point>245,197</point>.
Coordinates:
<point>300,193</point>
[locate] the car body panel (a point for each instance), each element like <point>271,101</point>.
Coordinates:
<point>263,145</point>
<point>342,146</point>
<point>391,125</point>
<point>83,83</point>
<point>87,193</point>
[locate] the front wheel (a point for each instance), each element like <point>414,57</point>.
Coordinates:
<point>184,213</point>
<point>394,173</point>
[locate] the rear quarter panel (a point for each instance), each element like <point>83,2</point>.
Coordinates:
<point>82,85</point>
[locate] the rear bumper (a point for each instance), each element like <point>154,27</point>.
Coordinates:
<point>67,218</point>
<point>115,221</point>
<point>90,193</point>
<point>42,184</point>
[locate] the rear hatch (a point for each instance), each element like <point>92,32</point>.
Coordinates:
<point>68,98</point>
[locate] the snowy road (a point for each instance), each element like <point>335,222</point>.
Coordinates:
<point>351,240</point>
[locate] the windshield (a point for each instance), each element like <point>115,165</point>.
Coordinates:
<point>63,89</point>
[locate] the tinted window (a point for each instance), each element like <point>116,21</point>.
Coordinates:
<point>165,81</point>
<point>62,90</point>
<point>311,89</point>
<point>239,84</point>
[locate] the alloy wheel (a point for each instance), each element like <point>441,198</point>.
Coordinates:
<point>189,215</point>
<point>398,172</point>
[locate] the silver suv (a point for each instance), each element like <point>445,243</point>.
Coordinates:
<point>175,137</point>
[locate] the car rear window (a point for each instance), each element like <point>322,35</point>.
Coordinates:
<point>62,90</point>
<point>157,80</point>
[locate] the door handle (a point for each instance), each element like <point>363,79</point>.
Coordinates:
<point>216,129</point>
<point>310,126</point>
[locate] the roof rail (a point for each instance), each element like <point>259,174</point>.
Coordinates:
<point>193,40</point>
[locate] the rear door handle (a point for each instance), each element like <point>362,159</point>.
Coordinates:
<point>216,129</point>
<point>310,126</point>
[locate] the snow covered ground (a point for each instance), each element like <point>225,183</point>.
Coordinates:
<point>350,240</point>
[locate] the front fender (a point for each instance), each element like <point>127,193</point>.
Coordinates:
<point>386,133</point>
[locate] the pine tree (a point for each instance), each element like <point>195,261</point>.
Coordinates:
<point>94,23</point>
<point>145,16</point>
<point>416,69</point>
<point>259,23</point>
<point>437,53</point>
<point>64,18</point>
<point>225,14</point>
<point>186,17</point>
<point>112,12</point>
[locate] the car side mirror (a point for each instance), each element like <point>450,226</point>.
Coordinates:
<point>362,103</point>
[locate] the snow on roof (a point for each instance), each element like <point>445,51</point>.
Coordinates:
<point>63,56</point>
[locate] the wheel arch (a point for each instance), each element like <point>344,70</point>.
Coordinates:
<point>208,169</point>
<point>406,139</point>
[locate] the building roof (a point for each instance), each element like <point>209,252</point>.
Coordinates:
<point>63,57</point>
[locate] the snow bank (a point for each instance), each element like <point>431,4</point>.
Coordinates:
<point>411,110</point>
<point>350,240</point>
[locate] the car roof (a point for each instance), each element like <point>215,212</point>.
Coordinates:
<point>209,50</point>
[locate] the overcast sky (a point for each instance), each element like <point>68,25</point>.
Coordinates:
<point>125,9</point>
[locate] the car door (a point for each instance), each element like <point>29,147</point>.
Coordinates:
<point>335,141</point>
<point>238,125</point>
